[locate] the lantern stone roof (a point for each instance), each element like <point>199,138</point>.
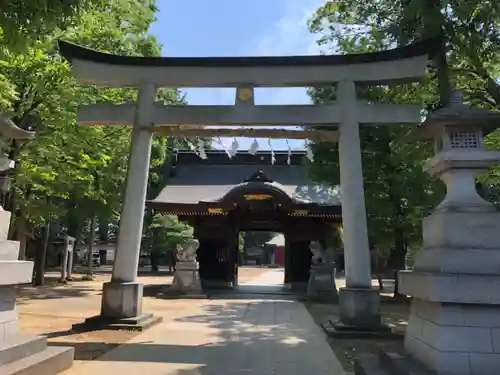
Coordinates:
<point>195,180</point>
<point>459,114</point>
<point>8,129</point>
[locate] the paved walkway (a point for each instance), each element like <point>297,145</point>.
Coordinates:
<point>231,337</point>
<point>271,277</point>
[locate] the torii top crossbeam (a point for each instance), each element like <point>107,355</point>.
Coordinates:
<point>92,67</point>
<point>396,65</point>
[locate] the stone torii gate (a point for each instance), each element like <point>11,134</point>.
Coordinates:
<point>359,302</point>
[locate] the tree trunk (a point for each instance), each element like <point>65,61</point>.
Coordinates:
<point>64,263</point>
<point>378,270</point>
<point>398,257</point>
<point>41,256</point>
<point>155,260</point>
<point>90,252</point>
<point>443,75</point>
<point>21,236</point>
<point>77,256</point>
<point>103,229</point>
<point>434,24</point>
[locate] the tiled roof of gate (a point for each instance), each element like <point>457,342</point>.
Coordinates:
<point>194,183</point>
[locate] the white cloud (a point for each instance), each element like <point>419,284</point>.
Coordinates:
<point>287,36</point>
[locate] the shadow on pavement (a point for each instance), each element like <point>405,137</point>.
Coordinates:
<point>29,293</point>
<point>240,335</point>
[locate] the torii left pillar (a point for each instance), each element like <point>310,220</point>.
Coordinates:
<point>122,297</point>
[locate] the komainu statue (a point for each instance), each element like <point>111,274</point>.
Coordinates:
<point>186,252</point>
<point>186,275</point>
<point>318,256</point>
<point>321,286</point>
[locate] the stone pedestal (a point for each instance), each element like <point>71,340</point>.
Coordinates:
<point>359,308</point>
<point>454,323</point>
<point>359,316</point>
<point>122,300</point>
<point>321,286</point>
<point>19,353</point>
<point>187,278</point>
<point>187,282</point>
<point>121,308</point>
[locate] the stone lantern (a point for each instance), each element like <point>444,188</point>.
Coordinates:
<point>454,322</point>
<point>20,353</point>
<point>458,133</point>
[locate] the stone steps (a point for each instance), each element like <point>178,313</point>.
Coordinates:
<point>27,355</point>
<point>19,354</point>
<point>9,250</point>
<point>21,347</point>
<point>391,360</point>
<point>369,365</point>
<point>15,272</point>
<point>49,361</point>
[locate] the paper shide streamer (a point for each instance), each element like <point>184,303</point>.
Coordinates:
<point>289,158</point>
<point>253,147</point>
<point>273,157</point>
<point>309,154</point>
<point>234,147</point>
<point>201,149</point>
<point>224,147</point>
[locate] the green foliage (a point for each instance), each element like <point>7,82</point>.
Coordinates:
<point>398,193</point>
<point>81,169</point>
<point>241,242</point>
<point>168,232</point>
<point>397,190</point>
<point>22,22</point>
<point>470,30</point>
<point>256,238</point>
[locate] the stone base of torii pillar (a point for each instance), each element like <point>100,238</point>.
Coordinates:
<point>121,308</point>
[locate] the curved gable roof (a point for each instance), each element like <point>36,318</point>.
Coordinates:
<point>194,183</point>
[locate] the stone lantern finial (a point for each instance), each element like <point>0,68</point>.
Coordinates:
<point>456,98</point>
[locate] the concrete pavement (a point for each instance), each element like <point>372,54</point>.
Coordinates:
<point>233,337</point>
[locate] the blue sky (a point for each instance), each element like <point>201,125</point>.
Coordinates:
<point>194,28</point>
